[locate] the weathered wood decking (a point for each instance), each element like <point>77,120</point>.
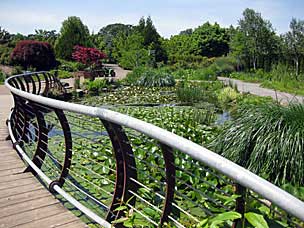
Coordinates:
<point>24,201</point>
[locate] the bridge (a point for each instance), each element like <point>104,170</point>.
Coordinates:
<point>68,165</point>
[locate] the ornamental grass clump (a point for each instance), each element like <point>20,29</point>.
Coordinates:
<point>156,78</point>
<point>268,140</point>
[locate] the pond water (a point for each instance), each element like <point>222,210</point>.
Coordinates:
<point>222,118</point>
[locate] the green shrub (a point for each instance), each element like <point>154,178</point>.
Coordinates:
<point>223,66</point>
<point>134,58</point>
<point>96,86</point>
<point>205,74</point>
<point>249,99</point>
<point>195,94</point>
<point>281,72</point>
<point>62,74</point>
<point>5,52</point>
<point>2,77</point>
<point>245,76</point>
<point>227,97</point>
<point>190,61</point>
<point>156,78</point>
<point>17,70</point>
<point>289,86</point>
<point>134,76</point>
<point>70,66</point>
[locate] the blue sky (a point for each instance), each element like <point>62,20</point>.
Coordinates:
<point>169,16</point>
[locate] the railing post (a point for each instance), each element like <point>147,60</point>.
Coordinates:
<point>47,85</point>
<point>170,180</point>
<point>68,146</point>
<point>33,84</point>
<point>39,84</point>
<point>21,83</point>
<point>240,205</point>
<point>21,104</point>
<point>42,143</point>
<point>124,160</point>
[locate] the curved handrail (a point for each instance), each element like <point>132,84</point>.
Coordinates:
<point>240,175</point>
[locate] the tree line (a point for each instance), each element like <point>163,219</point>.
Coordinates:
<point>253,43</point>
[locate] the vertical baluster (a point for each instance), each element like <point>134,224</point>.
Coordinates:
<point>42,143</point>
<point>68,146</point>
<point>124,160</point>
<point>170,182</point>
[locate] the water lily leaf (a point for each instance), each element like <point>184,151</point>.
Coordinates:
<point>230,215</point>
<point>256,220</point>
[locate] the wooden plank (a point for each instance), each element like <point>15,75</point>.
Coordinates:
<point>6,143</point>
<point>16,177</point>
<point>57,220</point>
<point>6,149</point>
<point>7,160</point>
<point>18,190</point>
<point>24,201</point>
<point>11,171</point>
<point>8,153</point>
<point>8,166</point>
<point>76,224</point>
<point>10,156</point>
<point>31,215</point>
<point>6,146</point>
<point>20,182</point>
<point>22,197</point>
<point>27,206</point>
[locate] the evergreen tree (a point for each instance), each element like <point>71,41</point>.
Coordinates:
<point>73,32</point>
<point>152,40</point>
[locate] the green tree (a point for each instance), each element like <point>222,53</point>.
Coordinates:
<point>44,35</point>
<point>73,32</point>
<point>211,40</point>
<point>255,39</point>
<point>179,46</point>
<point>152,39</point>
<point>186,32</point>
<point>130,50</point>
<point>5,36</point>
<point>106,35</point>
<point>47,36</point>
<point>294,41</point>
<point>6,46</point>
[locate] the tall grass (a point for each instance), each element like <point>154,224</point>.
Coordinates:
<point>268,140</point>
<point>156,78</point>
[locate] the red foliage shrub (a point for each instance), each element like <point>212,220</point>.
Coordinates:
<point>88,56</point>
<point>31,53</point>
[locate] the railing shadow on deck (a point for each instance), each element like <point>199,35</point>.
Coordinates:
<point>119,170</point>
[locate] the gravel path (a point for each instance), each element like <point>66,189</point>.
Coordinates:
<point>120,72</point>
<point>256,89</point>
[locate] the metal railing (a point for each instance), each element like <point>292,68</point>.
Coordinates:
<point>117,169</point>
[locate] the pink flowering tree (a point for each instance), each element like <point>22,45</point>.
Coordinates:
<point>91,57</point>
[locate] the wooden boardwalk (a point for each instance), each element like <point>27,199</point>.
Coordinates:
<point>24,201</point>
